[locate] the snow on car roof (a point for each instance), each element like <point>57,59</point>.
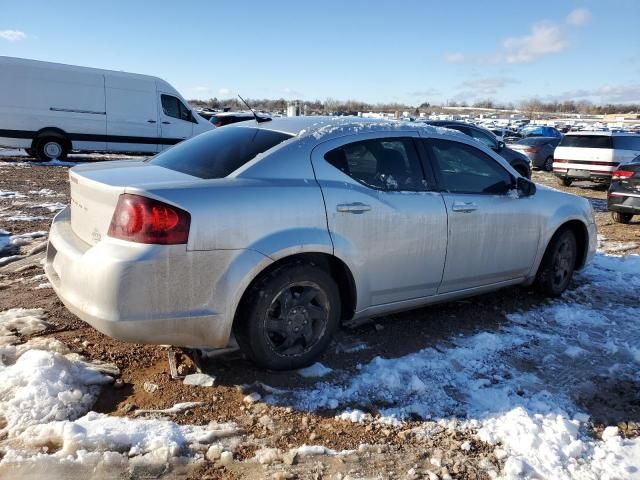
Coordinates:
<point>326,127</point>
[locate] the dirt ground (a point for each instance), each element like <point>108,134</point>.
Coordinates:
<point>394,450</point>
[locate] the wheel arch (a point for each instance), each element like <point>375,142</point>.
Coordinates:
<point>581,233</point>
<point>51,132</point>
<point>337,268</point>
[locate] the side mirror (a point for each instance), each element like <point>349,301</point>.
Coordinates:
<point>526,188</point>
<point>499,146</point>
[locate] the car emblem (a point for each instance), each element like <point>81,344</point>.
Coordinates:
<point>95,235</point>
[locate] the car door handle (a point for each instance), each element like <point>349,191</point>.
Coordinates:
<point>151,121</point>
<point>166,123</point>
<point>355,207</point>
<point>464,207</point>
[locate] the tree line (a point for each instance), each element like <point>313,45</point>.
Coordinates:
<point>332,106</point>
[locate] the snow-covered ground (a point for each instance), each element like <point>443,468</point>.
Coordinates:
<point>528,387</point>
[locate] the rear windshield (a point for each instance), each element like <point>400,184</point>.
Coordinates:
<point>587,141</point>
<point>220,152</point>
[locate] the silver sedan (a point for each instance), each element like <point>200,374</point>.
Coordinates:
<point>273,234</point>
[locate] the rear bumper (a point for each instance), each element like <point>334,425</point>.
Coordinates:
<point>583,175</point>
<point>624,202</point>
<point>138,293</point>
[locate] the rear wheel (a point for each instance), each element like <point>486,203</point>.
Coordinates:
<point>51,148</point>
<point>548,164</point>
<point>558,264</point>
<point>288,316</point>
<point>566,182</point>
<point>621,217</point>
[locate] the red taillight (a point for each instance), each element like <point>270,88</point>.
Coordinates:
<point>532,150</point>
<point>145,220</point>
<point>622,175</point>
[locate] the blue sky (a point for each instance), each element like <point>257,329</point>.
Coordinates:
<point>410,51</point>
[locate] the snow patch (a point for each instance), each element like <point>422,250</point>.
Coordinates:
<point>315,370</point>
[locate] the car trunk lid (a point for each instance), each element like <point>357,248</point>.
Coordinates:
<point>95,190</point>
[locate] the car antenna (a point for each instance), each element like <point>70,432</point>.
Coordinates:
<point>255,115</point>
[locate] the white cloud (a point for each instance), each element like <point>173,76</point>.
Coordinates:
<point>201,89</point>
<point>454,57</point>
<point>291,92</point>
<point>12,35</point>
<point>487,86</point>
<point>224,91</point>
<point>544,39</point>
<point>579,16</point>
<point>603,94</point>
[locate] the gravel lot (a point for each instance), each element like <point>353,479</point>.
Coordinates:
<point>443,430</point>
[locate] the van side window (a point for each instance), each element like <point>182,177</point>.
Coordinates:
<point>173,107</point>
<point>626,142</point>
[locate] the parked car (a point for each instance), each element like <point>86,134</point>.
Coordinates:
<point>623,197</point>
<point>50,109</point>
<point>518,161</point>
<point>540,131</point>
<point>226,118</point>
<point>276,234</point>
<point>505,135</point>
<point>539,150</point>
<point>589,155</point>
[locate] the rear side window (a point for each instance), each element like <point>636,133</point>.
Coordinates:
<point>390,164</point>
<point>218,153</point>
<point>587,141</point>
<point>627,142</point>
<point>462,168</point>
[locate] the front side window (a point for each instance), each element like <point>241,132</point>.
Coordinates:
<point>390,164</point>
<point>173,107</point>
<point>462,168</point>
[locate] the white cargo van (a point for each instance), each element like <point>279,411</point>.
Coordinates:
<point>589,155</point>
<point>50,109</point>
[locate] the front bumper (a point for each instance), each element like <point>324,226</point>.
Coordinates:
<point>158,294</point>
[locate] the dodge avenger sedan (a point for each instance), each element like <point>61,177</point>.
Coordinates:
<point>276,233</point>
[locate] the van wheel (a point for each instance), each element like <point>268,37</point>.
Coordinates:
<point>288,316</point>
<point>565,182</point>
<point>548,164</point>
<point>51,148</point>
<point>558,264</point>
<point>621,217</point>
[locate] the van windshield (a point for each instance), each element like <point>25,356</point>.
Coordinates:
<point>218,153</point>
<point>587,141</point>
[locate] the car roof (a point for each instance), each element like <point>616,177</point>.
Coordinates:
<point>602,133</point>
<point>234,114</point>
<point>326,127</point>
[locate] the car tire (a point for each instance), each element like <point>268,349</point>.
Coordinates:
<point>522,171</point>
<point>288,316</point>
<point>558,264</point>
<point>621,217</point>
<point>565,182</point>
<point>547,166</point>
<point>51,148</point>
<point>30,152</point>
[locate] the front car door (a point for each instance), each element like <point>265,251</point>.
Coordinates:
<point>176,120</point>
<point>382,215</point>
<point>493,233</point>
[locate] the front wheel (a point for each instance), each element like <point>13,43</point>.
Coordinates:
<point>558,264</point>
<point>548,164</point>
<point>287,318</point>
<point>621,217</point>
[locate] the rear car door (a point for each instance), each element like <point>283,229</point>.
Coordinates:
<point>176,120</point>
<point>493,234</point>
<point>382,215</point>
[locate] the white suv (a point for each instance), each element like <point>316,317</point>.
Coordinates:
<point>593,155</point>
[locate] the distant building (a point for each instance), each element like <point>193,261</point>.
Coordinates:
<point>293,108</point>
